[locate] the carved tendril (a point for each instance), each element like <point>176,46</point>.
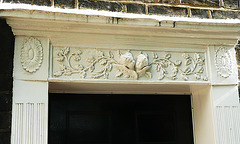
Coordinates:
<point>131,67</point>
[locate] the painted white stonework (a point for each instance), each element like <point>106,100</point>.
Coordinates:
<point>80,53</point>
<point>77,63</point>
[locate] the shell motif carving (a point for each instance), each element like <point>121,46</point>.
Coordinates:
<point>31,55</point>
<point>129,66</point>
<point>223,62</point>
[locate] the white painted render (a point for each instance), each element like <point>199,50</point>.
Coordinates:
<point>47,67</point>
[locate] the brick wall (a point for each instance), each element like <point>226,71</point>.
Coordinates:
<point>6,68</point>
<point>212,9</point>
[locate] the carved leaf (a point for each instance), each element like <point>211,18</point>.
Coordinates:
<point>105,75</point>
<point>119,74</point>
<point>175,70</point>
<point>78,52</point>
<point>111,54</point>
<point>103,62</point>
<point>79,67</point>
<point>60,58</point>
<point>90,59</point>
<point>187,70</point>
<point>101,71</point>
<point>67,72</point>
<point>109,67</point>
<point>197,56</point>
<point>161,76</point>
<point>197,76</point>
<point>204,78</point>
<point>100,53</point>
<point>62,67</point>
<point>127,72</point>
<point>66,50</point>
<point>188,62</point>
<point>92,68</point>
<point>155,56</point>
<point>158,68</point>
<point>172,77</point>
<point>165,64</point>
<point>148,75</point>
<point>95,76</point>
<point>186,56</point>
<point>77,58</point>
<point>83,74</point>
<point>200,62</point>
<point>178,62</point>
<point>143,71</point>
<point>167,56</point>
<point>58,73</point>
<point>201,70</point>
<point>184,78</point>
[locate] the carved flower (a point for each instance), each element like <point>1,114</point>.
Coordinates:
<point>127,60</point>
<point>142,61</point>
<point>31,55</point>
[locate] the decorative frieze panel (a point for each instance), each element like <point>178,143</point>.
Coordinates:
<point>75,63</point>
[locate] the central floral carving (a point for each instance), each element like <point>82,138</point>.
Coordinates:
<point>129,66</point>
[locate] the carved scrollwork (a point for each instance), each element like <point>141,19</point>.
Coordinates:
<point>223,62</point>
<point>130,67</point>
<point>31,55</point>
<point>194,66</point>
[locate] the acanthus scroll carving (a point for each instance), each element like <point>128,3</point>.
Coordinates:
<point>131,67</point>
<point>223,62</point>
<point>31,55</point>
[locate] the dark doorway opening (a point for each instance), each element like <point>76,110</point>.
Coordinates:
<point>120,119</point>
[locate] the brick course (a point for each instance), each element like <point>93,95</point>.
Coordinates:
<point>216,9</point>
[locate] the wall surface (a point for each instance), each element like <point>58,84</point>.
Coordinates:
<point>6,67</point>
<point>209,9</point>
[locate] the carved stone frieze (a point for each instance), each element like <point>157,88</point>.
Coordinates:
<point>31,55</point>
<point>223,62</point>
<point>129,65</point>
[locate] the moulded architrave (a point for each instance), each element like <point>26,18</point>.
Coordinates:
<point>223,65</point>
<point>21,65</point>
<point>226,113</point>
<point>203,115</point>
<point>29,112</point>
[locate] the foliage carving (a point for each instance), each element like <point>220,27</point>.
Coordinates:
<point>130,67</point>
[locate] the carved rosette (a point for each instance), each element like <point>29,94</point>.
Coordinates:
<point>223,62</point>
<point>31,55</point>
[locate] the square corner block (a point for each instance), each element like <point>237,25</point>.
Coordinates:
<point>225,95</point>
<point>30,92</point>
<point>223,65</point>
<point>31,58</point>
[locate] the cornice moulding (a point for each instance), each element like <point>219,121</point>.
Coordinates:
<point>94,16</point>
<point>58,25</point>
